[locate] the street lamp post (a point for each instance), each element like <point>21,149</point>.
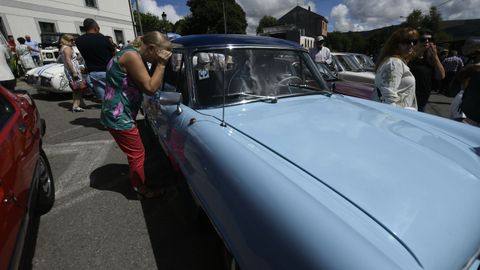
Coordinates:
<point>164,20</point>
<point>139,18</point>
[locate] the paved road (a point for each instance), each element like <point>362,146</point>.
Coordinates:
<point>96,222</point>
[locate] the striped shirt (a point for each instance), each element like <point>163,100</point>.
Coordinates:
<point>452,64</point>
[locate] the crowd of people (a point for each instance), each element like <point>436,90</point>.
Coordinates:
<point>409,68</point>
<point>116,74</point>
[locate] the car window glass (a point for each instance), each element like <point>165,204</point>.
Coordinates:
<point>6,111</point>
<point>344,62</point>
<point>175,79</point>
<point>246,74</point>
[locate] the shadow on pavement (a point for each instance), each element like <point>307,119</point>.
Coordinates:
<point>53,96</point>
<point>87,122</point>
<point>113,177</point>
<point>177,240</point>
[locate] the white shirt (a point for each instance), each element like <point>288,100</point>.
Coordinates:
<point>5,72</point>
<point>323,55</point>
<point>396,84</point>
<point>33,45</point>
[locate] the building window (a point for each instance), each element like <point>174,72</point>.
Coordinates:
<point>119,36</point>
<point>91,3</point>
<point>46,27</point>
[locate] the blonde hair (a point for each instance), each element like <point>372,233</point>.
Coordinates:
<point>66,39</point>
<point>153,38</point>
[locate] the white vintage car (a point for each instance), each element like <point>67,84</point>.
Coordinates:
<point>348,69</point>
<point>48,78</point>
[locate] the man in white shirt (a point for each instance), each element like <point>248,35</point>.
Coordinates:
<point>321,54</point>
<point>35,53</point>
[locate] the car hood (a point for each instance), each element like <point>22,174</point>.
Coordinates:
<point>418,181</point>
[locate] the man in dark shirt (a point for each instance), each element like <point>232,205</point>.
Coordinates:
<point>426,68</point>
<point>96,50</point>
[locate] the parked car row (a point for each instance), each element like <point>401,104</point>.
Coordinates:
<point>294,176</point>
<point>349,69</point>
<point>26,182</point>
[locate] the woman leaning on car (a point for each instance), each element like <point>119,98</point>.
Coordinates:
<point>394,83</point>
<point>127,78</point>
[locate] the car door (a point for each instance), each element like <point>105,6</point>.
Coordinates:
<point>175,80</point>
<point>15,166</point>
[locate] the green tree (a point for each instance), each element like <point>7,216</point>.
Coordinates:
<point>414,19</point>
<point>207,17</point>
<point>181,26</point>
<point>432,20</point>
<point>418,20</point>
<point>152,22</point>
<point>266,21</point>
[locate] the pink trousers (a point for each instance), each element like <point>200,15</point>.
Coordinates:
<point>131,144</point>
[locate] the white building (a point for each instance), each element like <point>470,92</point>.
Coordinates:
<point>33,17</point>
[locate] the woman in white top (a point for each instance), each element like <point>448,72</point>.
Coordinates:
<point>394,83</point>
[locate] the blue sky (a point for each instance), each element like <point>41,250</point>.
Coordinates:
<point>343,15</point>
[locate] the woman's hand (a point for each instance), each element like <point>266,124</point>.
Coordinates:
<point>163,56</point>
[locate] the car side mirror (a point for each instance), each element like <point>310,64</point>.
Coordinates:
<point>171,98</point>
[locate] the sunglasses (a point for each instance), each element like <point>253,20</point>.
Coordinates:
<point>424,40</point>
<point>409,41</point>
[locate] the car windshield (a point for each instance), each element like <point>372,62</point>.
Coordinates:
<point>365,61</point>
<point>348,63</point>
<point>247,75</point>
<point>327,74</point>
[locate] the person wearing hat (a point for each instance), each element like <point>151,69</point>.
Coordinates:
<point>320,53</point>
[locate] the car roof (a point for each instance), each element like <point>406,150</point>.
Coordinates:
<point>220,40</point>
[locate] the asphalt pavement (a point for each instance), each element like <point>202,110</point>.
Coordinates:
<point>97,221</point>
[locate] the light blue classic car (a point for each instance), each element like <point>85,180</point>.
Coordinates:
<point>294,177</point>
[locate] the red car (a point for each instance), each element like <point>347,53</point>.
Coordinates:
<point>26,182</point>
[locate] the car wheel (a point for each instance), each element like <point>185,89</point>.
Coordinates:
<point>45,188</point>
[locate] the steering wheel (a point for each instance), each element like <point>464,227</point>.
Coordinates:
<point>285,80</point>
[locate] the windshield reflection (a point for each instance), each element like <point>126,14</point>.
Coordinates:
<point>253,75</point>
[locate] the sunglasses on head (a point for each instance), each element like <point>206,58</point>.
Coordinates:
<point>409,41</point>
<point>423,40</point>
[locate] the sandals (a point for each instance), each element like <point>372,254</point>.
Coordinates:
<point>77,109</point>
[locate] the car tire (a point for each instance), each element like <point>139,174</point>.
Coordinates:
<point>45,186</point>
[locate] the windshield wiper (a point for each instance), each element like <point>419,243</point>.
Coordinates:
<point>312,90</point>
<point>271,99</point>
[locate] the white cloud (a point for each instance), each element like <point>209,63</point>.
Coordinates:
<point>355,15</point>
<point>342,21</point>
<point>152,7</point>
<point>256,9</point>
